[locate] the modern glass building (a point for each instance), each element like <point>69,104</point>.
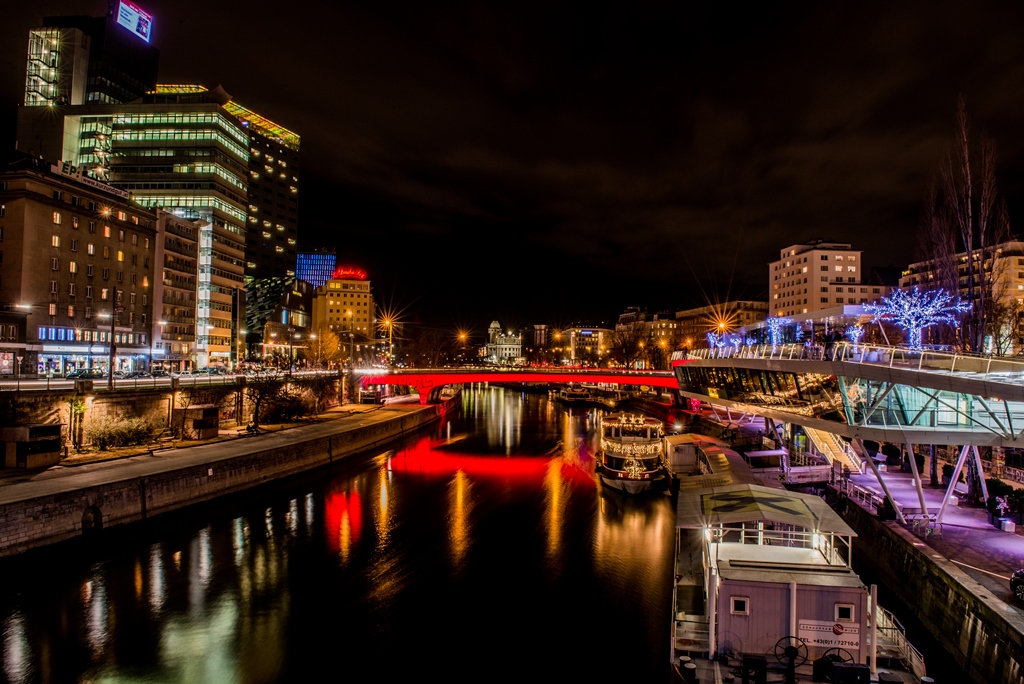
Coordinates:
<point>315,267</point>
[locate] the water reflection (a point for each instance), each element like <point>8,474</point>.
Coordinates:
<point>495,519</point>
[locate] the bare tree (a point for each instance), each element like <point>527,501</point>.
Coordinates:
<point>322,346</point>
<point>964,214</point>
<point>627,343</point>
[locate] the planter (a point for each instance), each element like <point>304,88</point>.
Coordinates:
<point>1007,525</point>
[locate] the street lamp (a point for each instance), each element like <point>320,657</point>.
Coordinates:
<point>291,362</point>
<point>113,347</point>
<point>389,324</point>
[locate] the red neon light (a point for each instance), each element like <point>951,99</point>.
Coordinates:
<point>427,380</point>
<point>348,273</point>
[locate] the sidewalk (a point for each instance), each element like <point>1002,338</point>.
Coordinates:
<point>966,536</point>
<point>166,454</point>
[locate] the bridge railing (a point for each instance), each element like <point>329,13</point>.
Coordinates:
<point>995,368</point>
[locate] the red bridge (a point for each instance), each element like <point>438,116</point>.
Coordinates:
<point>429,381</point>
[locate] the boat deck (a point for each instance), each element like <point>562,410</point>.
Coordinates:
<point>714,671</point>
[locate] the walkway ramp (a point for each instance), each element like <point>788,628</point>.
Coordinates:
<point>834,449</point>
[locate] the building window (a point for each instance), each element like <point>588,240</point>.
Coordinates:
<point>133,281</point>
<point>53,287</point>
<point>120,236</point>
<point>103,293</point>
<point>74,245</point>
<point>844,612</point>
<point>106,231</point>
<point>88,312</point>
<point>53,309</point>
<point>74,222</point>
<point>106,252</point>
<point>106,274</point>
<point>71,310</point>
<point>92,226</point>
<point>89,270</point>
<point>121,216</point>
<point>71,289</point>
<point>73,266</point>
<point>839,268</point>
<point>88,291</point>
<point>54,264</point>
<point>56,218</point>
<point>120,255</point>
<point>90,249</point>
<point>740,605</point>
<point>135,238</point>
<point>55,241</point>
<point>824,268</point>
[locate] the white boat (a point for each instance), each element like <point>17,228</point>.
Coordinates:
<point>574,395</point>
<point>631,455</point>
<point>764,587</point>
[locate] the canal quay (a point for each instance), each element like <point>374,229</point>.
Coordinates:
<point>478,544</point>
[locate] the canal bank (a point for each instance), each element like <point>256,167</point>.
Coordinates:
<point>61,503</point>
<point>982,633</point>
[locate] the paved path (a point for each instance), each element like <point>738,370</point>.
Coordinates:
<point>21,485</point>
<point>966,537</point>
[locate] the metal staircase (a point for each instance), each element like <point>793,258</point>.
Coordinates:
<point>834,449</point>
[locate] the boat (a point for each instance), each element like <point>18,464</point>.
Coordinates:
<point>764,589</point>
<point>631,455</point>
<point>574,395</point>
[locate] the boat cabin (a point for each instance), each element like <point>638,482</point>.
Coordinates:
<point>756,565</point>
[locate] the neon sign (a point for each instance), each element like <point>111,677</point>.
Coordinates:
<point>348,273</point>
<point>135,19</point>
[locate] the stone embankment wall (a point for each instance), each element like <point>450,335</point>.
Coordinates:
<point>29,524</point>
<point>984,635</point>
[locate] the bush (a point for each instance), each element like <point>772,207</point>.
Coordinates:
<point>115,432</point>
<point>285,408</point>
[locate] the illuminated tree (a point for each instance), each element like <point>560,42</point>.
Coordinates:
<point>914,310</point>
<point>775,326</point>
<point>854,333</point>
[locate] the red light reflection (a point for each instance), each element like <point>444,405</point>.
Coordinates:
<point>341,508</point>
<point>423,458</point>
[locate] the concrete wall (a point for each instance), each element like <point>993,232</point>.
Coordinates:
<point>46,520</point>
<point>984,635</point>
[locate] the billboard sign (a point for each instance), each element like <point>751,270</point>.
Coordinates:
<point>135,19</point>
<point>829,634</point>
<point>348,273</point>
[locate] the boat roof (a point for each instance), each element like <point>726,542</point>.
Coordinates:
<point>747,503</point>
<point>631,419</point>
<point>781,564</point>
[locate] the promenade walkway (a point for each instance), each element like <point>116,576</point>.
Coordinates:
<point>84,470</point>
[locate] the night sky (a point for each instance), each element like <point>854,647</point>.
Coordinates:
<point>546,163</point>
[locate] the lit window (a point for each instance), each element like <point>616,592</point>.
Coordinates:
<point>73,266</point>
<point>106,231</point>
<point>56,218</point>
<point>120,255</point>
<point>53,309</point>
<point>55,241</point>
<point>91,249</point>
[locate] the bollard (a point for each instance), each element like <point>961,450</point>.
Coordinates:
<point>690,673</point>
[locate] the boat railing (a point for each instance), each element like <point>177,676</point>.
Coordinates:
<point>834,548</point>
<point>890,629</point>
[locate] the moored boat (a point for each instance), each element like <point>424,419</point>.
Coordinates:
<point>763,586</point>
<point>571,394</point>
<point>631,456</point>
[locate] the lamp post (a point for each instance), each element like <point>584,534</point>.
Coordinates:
<point>113,347</point>
<point>291,363</point>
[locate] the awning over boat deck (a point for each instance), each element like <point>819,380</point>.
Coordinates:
<point>746,503</point>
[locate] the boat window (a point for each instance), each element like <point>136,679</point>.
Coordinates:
<point>741,605</point>
<point>844,612</point>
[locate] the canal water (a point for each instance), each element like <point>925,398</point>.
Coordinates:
<point>483,551</point>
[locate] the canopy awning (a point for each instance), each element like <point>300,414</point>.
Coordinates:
<point>745,503</point>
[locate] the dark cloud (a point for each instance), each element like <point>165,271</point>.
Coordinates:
<point>534,162</point>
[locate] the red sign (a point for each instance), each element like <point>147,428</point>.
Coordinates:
<point>837,629</point>
<point>348,273</point>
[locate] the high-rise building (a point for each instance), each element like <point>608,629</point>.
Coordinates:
<point>175,291</point>
<point>75,60</point>
<point>78,261</point>
<point>315,267</point>
<point>181,148</point>
<point>272,230</point>
<point>814,275</point>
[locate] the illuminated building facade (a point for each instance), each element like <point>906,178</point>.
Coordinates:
<point>694,324</point>
<point>175,292</point>
<point>73,251</point>
<point>315,267</point>
<point>501,348</point>
<point>272,229</point>
<point>75,60</point>
<point>815,275</point>
<point>345,305</point>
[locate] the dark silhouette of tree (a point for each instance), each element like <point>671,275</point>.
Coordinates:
<point>963,213</point>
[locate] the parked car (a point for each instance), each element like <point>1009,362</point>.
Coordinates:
<point>159,373</point>
<point>1017,584</point>
<point>86,374</point>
